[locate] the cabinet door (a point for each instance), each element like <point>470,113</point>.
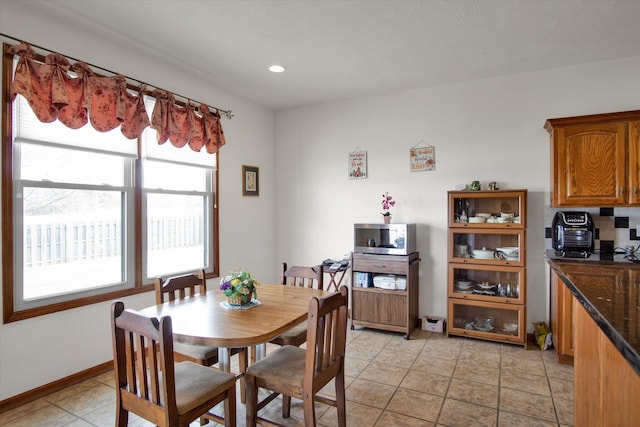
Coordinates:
<point>491,321</point>
<point>376,306</point>
<point>634,163</point>
<point>562,320</point>
<point>483,203</point>
<point>487,283</point>
<point>590,165</point>
<point>488,247</point>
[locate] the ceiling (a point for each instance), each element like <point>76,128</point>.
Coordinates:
<point>337,49</point>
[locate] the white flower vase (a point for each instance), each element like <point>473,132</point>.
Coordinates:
<point>387,219</point>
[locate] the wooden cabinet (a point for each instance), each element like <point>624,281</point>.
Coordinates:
<point>388,309</point>
<point>595,160</point>
<point>486,281</point>
<point>561,320</point>
<point>606,388</point>
<point>609,282</point>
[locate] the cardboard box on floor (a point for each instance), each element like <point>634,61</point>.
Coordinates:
<point>434,324</point>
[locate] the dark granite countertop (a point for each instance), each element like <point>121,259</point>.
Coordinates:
<point>609,289</point>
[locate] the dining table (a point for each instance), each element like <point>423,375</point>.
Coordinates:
<point>207,319</point>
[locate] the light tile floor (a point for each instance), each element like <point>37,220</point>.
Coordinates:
<point>430,380</point>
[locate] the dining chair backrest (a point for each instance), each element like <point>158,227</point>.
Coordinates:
<point>309,277</point>
<point>150,385</point>
<point>180,287</point>
<point>300,373</point>
<point>144,369</point>
<point>326,339</point>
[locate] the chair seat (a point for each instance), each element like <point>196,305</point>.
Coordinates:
<point>200,352</point>
<point>294,336</point>
<point>196,384</point>
<point>285,365</point>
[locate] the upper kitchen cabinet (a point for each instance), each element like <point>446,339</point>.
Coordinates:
<point>595,160</point>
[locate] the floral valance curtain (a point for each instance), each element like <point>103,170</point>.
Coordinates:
<point>73,94</point>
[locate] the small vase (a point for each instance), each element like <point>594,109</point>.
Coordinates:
<point>238,301</point>
<point>387,219</point>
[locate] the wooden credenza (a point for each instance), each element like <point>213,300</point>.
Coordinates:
<point>386,309</point>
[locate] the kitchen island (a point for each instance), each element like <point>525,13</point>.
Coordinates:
<point>606,335</point>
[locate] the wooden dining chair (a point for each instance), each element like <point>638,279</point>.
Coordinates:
<point>150,385</point>
<point>181,287</point>
<point>301,373</point>
<point>309,277</point>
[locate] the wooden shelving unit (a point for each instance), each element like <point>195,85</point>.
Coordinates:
<point>494,288</point>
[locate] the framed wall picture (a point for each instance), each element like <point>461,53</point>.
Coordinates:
<point>422,157</point>
<point>250,181</point>
<point>358,164</point>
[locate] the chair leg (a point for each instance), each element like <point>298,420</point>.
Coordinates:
<point>309,411</point>
<point>286,406</point>
<point>122,417</point>
<point>251,400</point>
<point>230,408</point>
<point>340,400</point>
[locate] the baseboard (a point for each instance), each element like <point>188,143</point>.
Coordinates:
<point>37,393</point>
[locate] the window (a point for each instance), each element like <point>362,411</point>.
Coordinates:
<point>91,216</point>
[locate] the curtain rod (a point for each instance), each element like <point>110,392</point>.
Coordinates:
<point>228,113</point>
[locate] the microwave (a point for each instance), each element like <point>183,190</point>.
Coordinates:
<point>385,239</point>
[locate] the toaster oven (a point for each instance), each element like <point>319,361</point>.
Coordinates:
<point>573,232</point>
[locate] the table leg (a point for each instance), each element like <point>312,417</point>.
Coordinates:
<point>224,359</point>
<point>261,351</point>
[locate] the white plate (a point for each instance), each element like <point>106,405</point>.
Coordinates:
<point>463,291</point>
<point>485,286</point>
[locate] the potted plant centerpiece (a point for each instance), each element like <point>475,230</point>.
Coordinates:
<point>239,287</point>
<point>387,203</point>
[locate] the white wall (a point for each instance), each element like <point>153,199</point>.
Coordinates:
<point>487,130</point>
<point>38,351</point>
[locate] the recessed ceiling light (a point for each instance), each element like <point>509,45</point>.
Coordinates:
<point>276,68</point>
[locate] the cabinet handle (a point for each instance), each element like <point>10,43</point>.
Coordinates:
<point>635,191</point>
<point>622,191</point>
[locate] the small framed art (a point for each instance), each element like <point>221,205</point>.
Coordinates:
<point>358,164</point>
<point>250,180</point>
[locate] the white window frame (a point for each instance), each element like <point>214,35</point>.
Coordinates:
<point>133,213</point>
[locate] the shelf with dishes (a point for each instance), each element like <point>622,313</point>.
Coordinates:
<point>487,283</point>
<point>487,209</point>
<point>493,247</point>
<point>491,321</point>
